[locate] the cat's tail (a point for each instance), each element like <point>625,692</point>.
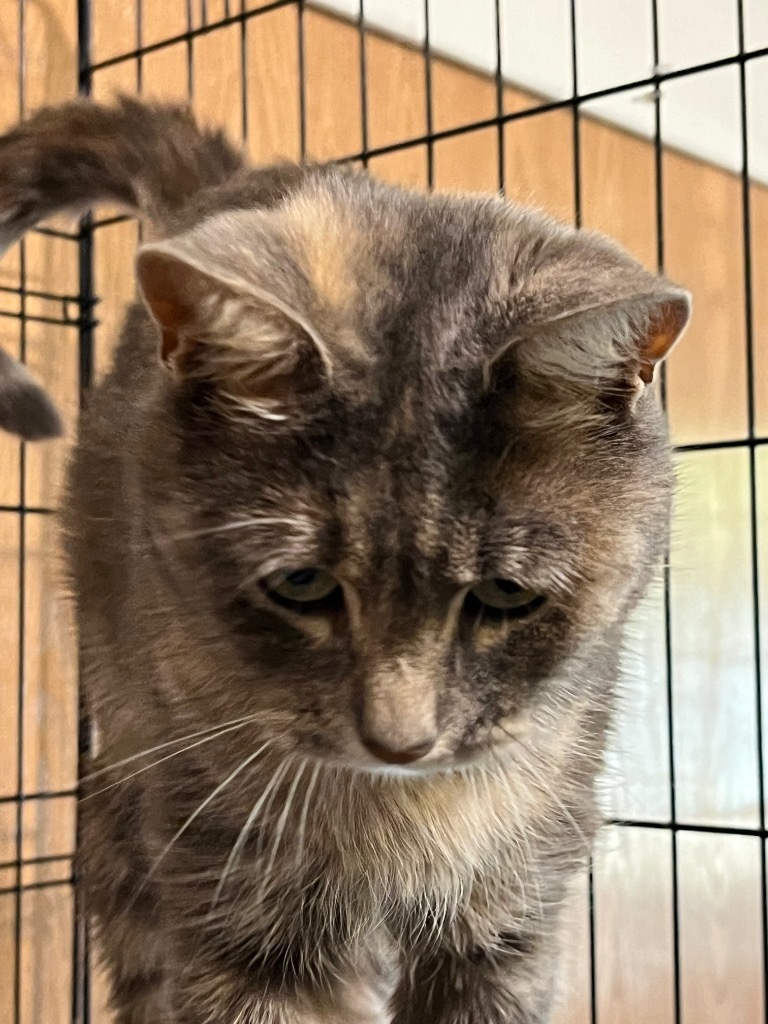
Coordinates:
<point>146,158</point>
<point>25,408</point>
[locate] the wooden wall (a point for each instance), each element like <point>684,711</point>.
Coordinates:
<point>711,625</point>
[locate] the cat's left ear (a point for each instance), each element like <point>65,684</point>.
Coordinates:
<point>590,319</point>
<point>613,344</point>
<point>663,326</point>
<point>217,326</point>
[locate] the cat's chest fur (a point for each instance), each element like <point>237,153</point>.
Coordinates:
<point>320,932</point>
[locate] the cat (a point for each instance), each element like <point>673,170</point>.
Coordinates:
<point>25,407</point>
<point>353,526</point>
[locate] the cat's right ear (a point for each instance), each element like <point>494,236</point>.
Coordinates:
<point>259,352</point>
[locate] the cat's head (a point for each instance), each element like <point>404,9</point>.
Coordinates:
<point>405,475</point>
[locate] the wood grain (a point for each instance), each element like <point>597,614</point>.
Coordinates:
<point>10,330</point>
<point>396,93</point>
<point>9,663</point>
<point>46,956</point>
<point>332,89</point>
<point>272,86</point>
<point>704,251</point>
<point>538,163</point>
<point>218,93</point>
<point>618,188</point>
<point>49,741</point>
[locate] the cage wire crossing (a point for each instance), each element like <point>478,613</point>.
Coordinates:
<point>670,925</point>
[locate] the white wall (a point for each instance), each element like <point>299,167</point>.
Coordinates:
<point>701,114</point>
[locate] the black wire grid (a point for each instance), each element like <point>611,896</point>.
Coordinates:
<point>78,311</point>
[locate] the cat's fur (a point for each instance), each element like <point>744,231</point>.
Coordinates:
<point>25,407</point>
<point>416,392</point>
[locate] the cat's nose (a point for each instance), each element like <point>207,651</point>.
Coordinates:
<point>398,711</point>
<point>393,754</point>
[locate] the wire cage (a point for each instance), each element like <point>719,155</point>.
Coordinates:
<point>658,139</point>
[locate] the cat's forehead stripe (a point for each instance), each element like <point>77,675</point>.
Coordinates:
<point>326,239</point>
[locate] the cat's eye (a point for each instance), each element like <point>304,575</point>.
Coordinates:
<point>506,596</point>
<point>310,587</point>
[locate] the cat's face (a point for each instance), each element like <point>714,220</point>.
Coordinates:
<point>417,481</point>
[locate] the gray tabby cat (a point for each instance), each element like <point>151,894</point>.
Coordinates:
<point>352,560</point>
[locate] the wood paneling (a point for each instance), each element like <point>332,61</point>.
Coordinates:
<point>160,21</point>
<point>538,163</point>
<point>403,167</point>
<point>332,87</point>
<point>459,96</point>
<point>50,667</point>
<point>9,267</point>
<point>396,93</point>
<point>272,86</point>
<point>113,276</point>
<point>114,27</point>
<point>49,738</point>
<point>9,663</point>
<point>46,956</point>
<point>50,75</point>
<point>618,187</point>
<point>164,74</point>
<point>207,12</point>
<point>218,92</point>
<point>703,247</point>
<point>468,163</point>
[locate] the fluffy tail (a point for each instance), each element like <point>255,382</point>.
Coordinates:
<point>25,408</point>
<point>149,159</point>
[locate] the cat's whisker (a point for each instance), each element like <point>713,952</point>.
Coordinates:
<point>302,829</point>
<point>539,779</point>
<point>522,843</point>
<point>266,812</point>
<point>246,830</point>
<point>164,746</point>
<point>168,757</point>
<point>281,826</point>
<point>192,817</point>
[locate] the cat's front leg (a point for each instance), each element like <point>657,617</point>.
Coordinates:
<point>222,996</point>
<point>486,987</point>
